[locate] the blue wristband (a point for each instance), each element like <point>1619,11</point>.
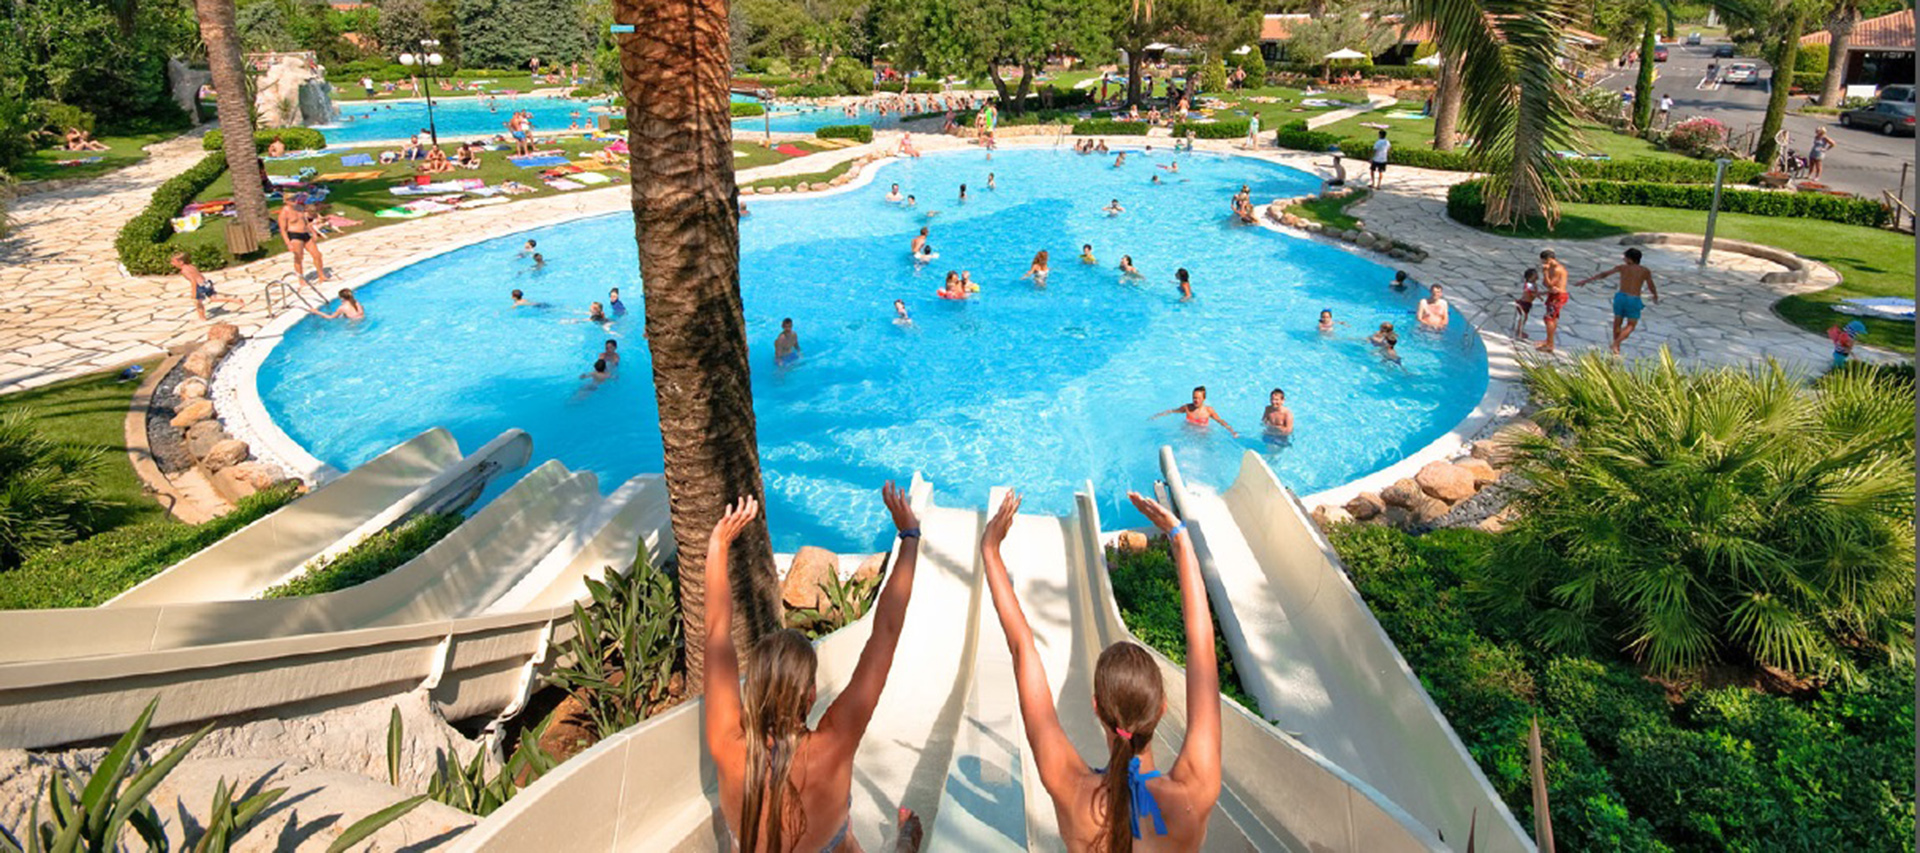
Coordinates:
<point>910,533</point>
<point>1176,530</point>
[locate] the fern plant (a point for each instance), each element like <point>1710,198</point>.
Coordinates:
<point>467,786</point>
<point>623,648</point>
<point>229,818</point>
<point>47,489</point>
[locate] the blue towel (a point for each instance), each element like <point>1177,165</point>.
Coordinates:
<point>357,160</point>
<point>538,162</point>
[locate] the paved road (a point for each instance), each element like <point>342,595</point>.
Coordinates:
<point>1864,161</point>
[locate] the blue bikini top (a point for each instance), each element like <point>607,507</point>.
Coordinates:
<point>1143,803</point>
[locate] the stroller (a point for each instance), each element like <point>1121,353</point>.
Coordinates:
<point>1793,164</point>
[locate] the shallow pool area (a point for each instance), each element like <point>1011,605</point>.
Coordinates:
<point>360,122</point>
<point>805,118</point>
<point>1042,389</point>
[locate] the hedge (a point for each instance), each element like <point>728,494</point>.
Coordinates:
<point>1295,135</point>
<point>1232,128</point>
<point>808,90</point>
<point>1466,202</point>
<point>373,557</point>
<point>1394,72</point>
<point>861,132</point>
<point>924,87</point>
<point>1109,127</point>
<point>741,109</point>
<point>296,139</point>
<point>141,243</point>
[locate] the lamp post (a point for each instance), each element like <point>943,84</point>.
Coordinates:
<point>427,59</point>
<point>1713,210</point>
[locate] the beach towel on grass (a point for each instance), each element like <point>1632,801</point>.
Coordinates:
<point>539,161</point>
<point>357,160</point>
<point>348,176</point>
<point>306,154</point>
<point>285,181</point>
<point>335,220</point>
<point>399,213</point>
<point>564,184</point>
<point>790,150</point>
<point>184,224</point>
<point>1884,307</point>
<point>592,178</point>
<point>78,161</point>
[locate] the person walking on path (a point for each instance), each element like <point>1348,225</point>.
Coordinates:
<point>1553,276</point>
<point>1378,167</point>
<point>1627,303</point>
<point>1666,110</point>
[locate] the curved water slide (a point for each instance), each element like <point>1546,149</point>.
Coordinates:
<point>947,740</point>
<point>1312,655</point>
<point>470,619</point>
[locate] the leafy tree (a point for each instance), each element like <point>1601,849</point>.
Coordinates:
<point>403,23</point>
<point>1351,30</point>
<point>263,27</point>
<point>980,37</point>
<point>1778,24</point>
<point>809,34</point>
<point>75,52</point>
<point>1208,26</point>
<point>508,33</point>
<point>47,492</point>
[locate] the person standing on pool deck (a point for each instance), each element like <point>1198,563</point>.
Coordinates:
<point>1553,275</point>
<point>1627,303</point>
<point>1377,169</point>
<point>786,347</point>
<point>1186,284</point>
<point>1198,413</point>
<point>202,288</point>
<point>299,236</point>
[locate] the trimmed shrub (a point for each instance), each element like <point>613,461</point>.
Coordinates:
<point>1466,204</point>
<point>296,139</point>
<point>1295,135</point>
<point>53,118</point>
<point>925,87</point>
<point>1146,589</point>
<point>1110,127</point>
<point>1697,136</point>
<point>741,109</point>
<point>1231,128</point>
<point>808,90</point>
<point>852,77</point>
<point>141,243</point>
<point>861,132</point>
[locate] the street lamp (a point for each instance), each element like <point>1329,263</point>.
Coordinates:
<point>428,59</point>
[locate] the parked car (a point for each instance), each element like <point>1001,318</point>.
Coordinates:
<point>1660,53</point>
<point>1723,51</point>
<point>1888,117</point>
<point>1693,39</point>
<point>1740,73</point>
<point>1902,94</point>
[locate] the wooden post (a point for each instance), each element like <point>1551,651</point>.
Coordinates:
<point>1542,818</point>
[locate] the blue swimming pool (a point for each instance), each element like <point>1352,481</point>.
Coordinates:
<point>1038,389</point>
<point>457,118</point>
<point>791,118</point>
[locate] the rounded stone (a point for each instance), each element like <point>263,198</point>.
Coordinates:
<point>1445,481</point>
<point>233,451</point>
<point>812,568</point>
<point>192,413</point>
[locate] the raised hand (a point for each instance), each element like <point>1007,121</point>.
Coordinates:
<point>1002,520</point>
<point>898,505</point>
<point>739,514</point>
<point>1159,515</point>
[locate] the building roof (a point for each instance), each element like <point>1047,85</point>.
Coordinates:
<point>1280,28</point>
<point>1887,32</point>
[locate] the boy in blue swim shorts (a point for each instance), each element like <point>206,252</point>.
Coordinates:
<point>786,347</point>
<point>1627,303</point>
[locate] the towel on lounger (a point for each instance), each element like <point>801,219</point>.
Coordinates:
<point>564,184</point>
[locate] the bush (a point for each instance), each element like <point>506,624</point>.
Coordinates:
<point>1697,137</point>
<point>1231,128</point>
<point>141,243</point>
<point>1763,523</point>
<point>808,90</point>
<point>47,491</point>
<point>1147,591</point>
<point>620,660</point>
<point>1466,204</point>
<point>1810,59</point>
<point>296,139</point>
<point>741,109</point>
<point>52,118</point>
<point>1295,135</point>
<point>87,572</point>
<point>850,76</point>
<point>925,87</point>
<point>1110,127</point>
<point>1213,75</point>
<point>861,132</point>
<point>371,557</point>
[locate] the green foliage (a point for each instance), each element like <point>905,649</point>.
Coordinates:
<point>90,571</point>
<point>1253,63</point>
<point>1811,59</point>
<point>93,815</point>
<point>1231,128</point>
<point>1147,590</point>
<point>1110,127</point>
<point>847,601</point>
<point>141,243</point>
<point>1692,516</point>
<point>1295,135</point>
<point>295,138</point>
<point>362,829</point>
<point>77,52</point>
<point>624,646</point>
<point>508,33</point>
<point>229,818</point>
<point>1465,201</point>
<point>47,491</point>
<point>371,557</point>
<point>745,109</point>
<point>53,118</point>
<point>852,77</point>
<point>923,86</point>
<point>1213,75</point>
<point>860,132</point>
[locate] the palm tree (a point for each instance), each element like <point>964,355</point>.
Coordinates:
<point>1779,23</point>
<point>676,65</point>
<point>236,119</point>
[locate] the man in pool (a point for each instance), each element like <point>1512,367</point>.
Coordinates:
<point>1185,281</point>
<point>1278,418</point>
<point>1400,281</point>
<point>893,194</point>
<point>786,347</point>
<point>202,288</point>
<point>1086,254</point>
<point>1113,208</point>
<point>611,355</point>
<point>1553,276</point>
<point>1198,413</point>
<point>520,301</point>
<point>1627,303</point>
<point>919,240</point>
<point>1433,309</point>
<point>900,317</point>
<point>600,374</point>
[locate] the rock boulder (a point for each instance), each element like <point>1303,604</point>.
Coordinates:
<point>199,363</point>
<point>227,333</point>
<point>812,569</point>
<point>1131,542</point>
<point>192,413</point>
<point>1428,511</point>
<point>1328,516</point>
<point>1366,505</point>
<point>1445,481</point>
<point>192,389</point>
<point>233,451</point>
<point>871,568</point>
<point>203,435</point>
<point>1497,449</point>
<point>1481,470</point>
<point>1403,493</point>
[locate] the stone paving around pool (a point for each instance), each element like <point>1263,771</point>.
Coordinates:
<point>69,310</point>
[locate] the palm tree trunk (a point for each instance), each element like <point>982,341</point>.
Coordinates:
<point>1643,87</point>
<point>1782,82</point>
<point>1134,63</point>
<point>1446,104</point>
<point>236,121</point>
<point>1840,27</point>
<point>676,67</point>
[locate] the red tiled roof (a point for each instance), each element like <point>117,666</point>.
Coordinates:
<point>1887,32</point>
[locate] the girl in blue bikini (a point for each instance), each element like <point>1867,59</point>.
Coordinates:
<point>1130,802</point>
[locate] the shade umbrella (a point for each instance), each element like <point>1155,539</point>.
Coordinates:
<point>1432,61</point>
<point>1346,53</point>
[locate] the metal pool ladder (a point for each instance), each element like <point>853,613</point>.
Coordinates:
<point>282,294</point>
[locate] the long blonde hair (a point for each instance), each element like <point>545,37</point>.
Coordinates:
<point>778,696</point>
<point>1128,697</point>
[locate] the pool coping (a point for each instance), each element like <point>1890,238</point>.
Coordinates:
<point>236,393</point>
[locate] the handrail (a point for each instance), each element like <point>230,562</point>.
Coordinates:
<point>289,292</point>
<point>1898,205</point>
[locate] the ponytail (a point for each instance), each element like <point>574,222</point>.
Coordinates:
<point>1115,799</point>
<point>1128,697</point>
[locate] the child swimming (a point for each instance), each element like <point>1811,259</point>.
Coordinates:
<point>1186,284</point>
<point>1326,321</point>
<point>1385,340</point>
<point>1127,270</point>
<point>1278,418</point>
<point>613,301</point>
<point>1198,413</point>
<point>786,347</point>
<point>1086,254</point>
<point>1113,208</point>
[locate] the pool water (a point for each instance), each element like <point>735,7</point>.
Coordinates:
<point>456,118</point>
<point>1042,390</point>
<point>792,118</point>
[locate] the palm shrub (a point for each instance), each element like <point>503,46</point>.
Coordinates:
<point>1687,516</point>
<point>47,491</point>
<point>623,649</point>
<point>93,815</point>
<point>846,601</point>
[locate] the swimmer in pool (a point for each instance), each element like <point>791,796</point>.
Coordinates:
<point>1181,278</point>
<point>1127,269</point>
<point>1155,181</point>
<point>925,256</point>
<point>1385,340</point>
<point>1278,418</point>
<point>596,313</point>
<point>1038,270</point>
<point>520,301</point>
<point>1173,167</point>
<point>963,193</point>
<point>349,308</point>
<point>1120,160</point>
<point>611,355</point>
<point>1198,413</point>
<point>613,301</point>
<point>599,374</point>
<point>893,194</point>
<point>1113,208</point>
<point>1326,321</point>
<point>1433,309</point>
<point>1400,281</point>
<point>919,241</point>
<point>526,250</point>
<point>966,282</point>
<point>900,317</point>
<point>990,182</point>
<point>1086,254</point>
<point>911,201</point>
<point>539,262</point>
<point>786,347</point>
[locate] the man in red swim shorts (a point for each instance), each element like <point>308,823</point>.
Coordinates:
<point>1553,275</point>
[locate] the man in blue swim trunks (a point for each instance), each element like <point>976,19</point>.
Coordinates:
<point>786,347</point>
<point>1626,301</point>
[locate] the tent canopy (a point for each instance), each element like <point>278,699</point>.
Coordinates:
<point>1346,53</point>
<point>1432,61</point>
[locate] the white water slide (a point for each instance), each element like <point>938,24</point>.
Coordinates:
<point>470,618</point>
<point>1311,654</point>
<point>947,740</point>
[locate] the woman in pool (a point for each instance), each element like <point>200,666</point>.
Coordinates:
<point>350,308</point>
<point>1105,809</point>
<point>893,194</point>
<point>1113,208</point>
<point>596,313</point>
<point>963,193</point>
<point>990,182</point>
<point>1385,340</point>
<point>1326,322</point>
<point>1198,413</point>
<point>1127,270</point>
<point>1181,278</point>
<point>966,282</point>
<point>1278,418</point>
<point>1038,270</point>
<point>1120,160</point>
<point>785,787</point>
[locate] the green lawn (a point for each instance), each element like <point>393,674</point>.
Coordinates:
<point>91,411</point>
<point>1331,212</point>
<point>1871,261</point>
<point>1418,133</point>
<point>360,199</point>
<point>123,151</point>
<point>1284,109</point>
<point>835,171</point>
<point>348,88</point>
